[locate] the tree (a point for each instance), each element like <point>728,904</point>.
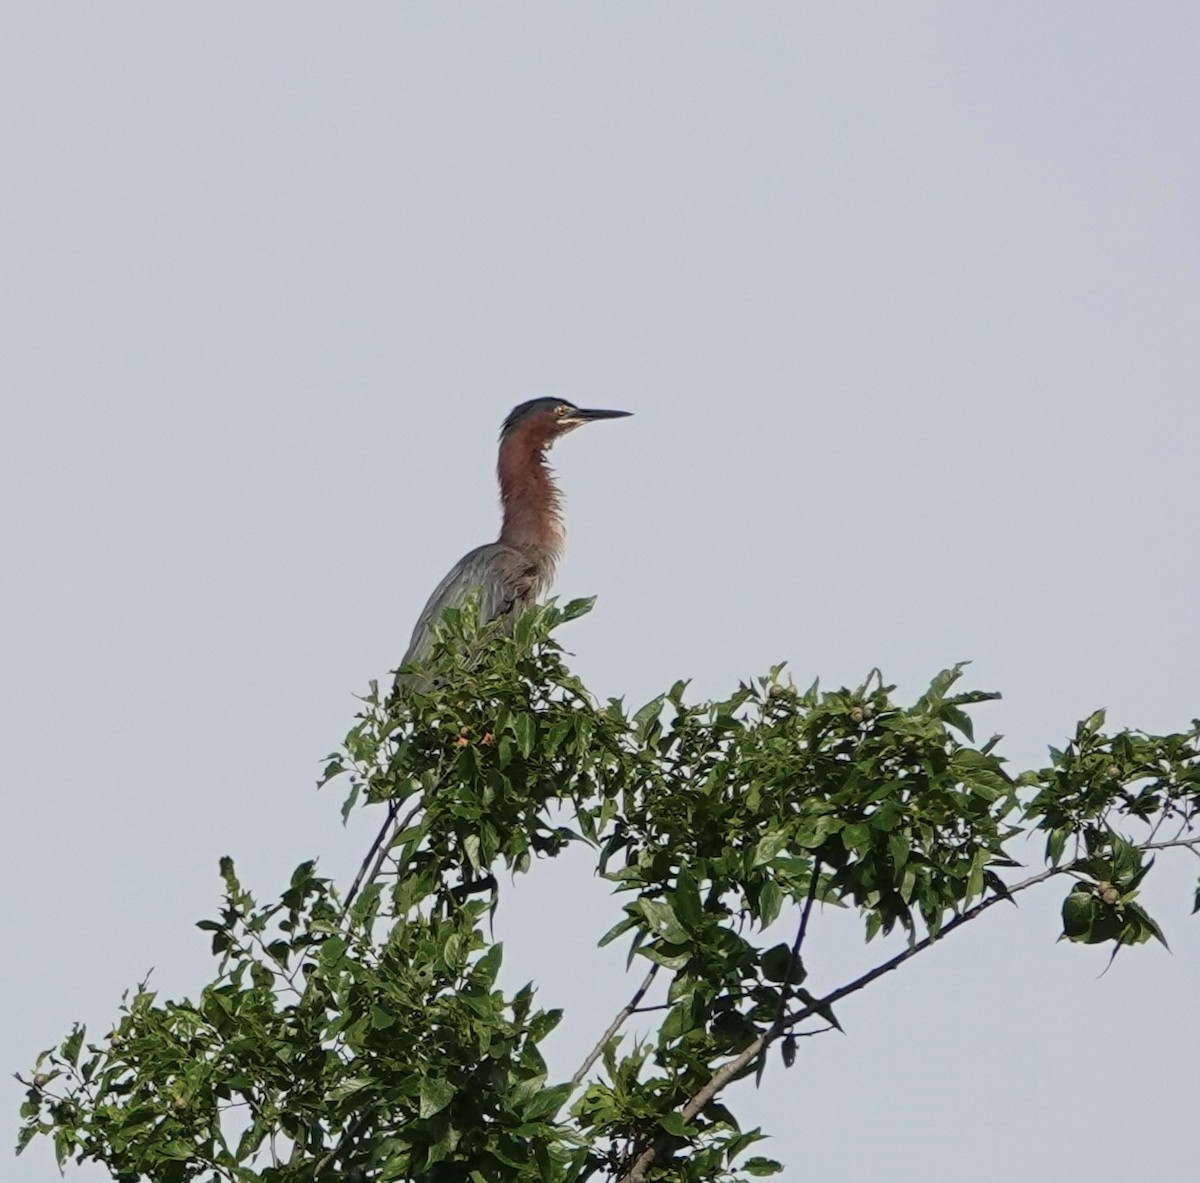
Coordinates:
<point>359,1034</point>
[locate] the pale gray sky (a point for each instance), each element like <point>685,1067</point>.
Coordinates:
<point>905,299</point>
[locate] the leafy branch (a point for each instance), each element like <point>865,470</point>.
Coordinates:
<point>363,1035</point>
<point>737,1066</point>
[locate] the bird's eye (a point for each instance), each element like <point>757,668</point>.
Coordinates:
<point>561,410</point>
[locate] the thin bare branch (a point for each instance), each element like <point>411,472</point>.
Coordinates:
<point>614,1026</point>
<point>380,838</point>
<point>742,1061</point>
<point>895,962</point>
<point>351,1131</point>
<point>921,945</point>
<point>377,854</point>
<point>1192,844</point>
<point>785,993</point>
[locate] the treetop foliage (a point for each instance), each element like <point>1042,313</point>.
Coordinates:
<point>357,1032</point>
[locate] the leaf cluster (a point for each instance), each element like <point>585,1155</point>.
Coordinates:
<point>360,1034</point>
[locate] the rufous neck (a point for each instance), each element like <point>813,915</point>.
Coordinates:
<point>530,499</point>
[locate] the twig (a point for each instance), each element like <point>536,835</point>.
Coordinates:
<point>786,992</point>
<point>800,933</point>
<point>1192,843</point>
<point>1162,817</point>
<point>351,1131</point>
<point>372,864</point>
<point>958,921</point>
<point>732,1068</point>
<point>814,1031</point>
<point>289,976</point>
<point>614,1027</point>
<point>921,945</point>
<point>393,809</point>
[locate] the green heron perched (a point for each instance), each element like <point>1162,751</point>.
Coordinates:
<point>511,573</point>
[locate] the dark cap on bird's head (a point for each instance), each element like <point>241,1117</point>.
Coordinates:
<point>552,417</point>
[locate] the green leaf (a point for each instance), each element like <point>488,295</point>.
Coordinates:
<point>71,1045</point>
<point>770,903</point>
<point>668,956</point>
<point>760,1166</point>
<point>960,720</point>
<point>685,901</point>
<point>975,876</point>
<point>616,930</point>
<point>981,774</point>
<point>662,920</point>
<point>775,962</point>
<point>436,1093</point>
<point>679,1021</point>
<point>856,837</point>
<point>526,729</point>
<point>573,609</point>
<point>941,683</point>
<point>547,1102</point>
<point>488,966</point>
<point>1077,913</point>
<point>787,1049</point>
<point>178,1151</point>
<point>523,630</point>
<point>333,950</point>
<point>824,1009</point>
<point>471,850</point>
<point>813,834</point>
<point>647,718</point>
<point>769,845</point>
<point>1056,843</point>
<point>1141,926</point>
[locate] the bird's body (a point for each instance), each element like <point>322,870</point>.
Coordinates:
<point>514,572</point>
<point>507,581</point>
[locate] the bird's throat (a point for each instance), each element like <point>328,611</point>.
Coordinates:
<point>531,501</point>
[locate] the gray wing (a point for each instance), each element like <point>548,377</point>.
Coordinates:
<point>507,581</point>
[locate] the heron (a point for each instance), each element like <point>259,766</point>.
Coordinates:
<point>517,569</point>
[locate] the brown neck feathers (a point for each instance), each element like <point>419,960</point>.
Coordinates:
<point>531,500</point>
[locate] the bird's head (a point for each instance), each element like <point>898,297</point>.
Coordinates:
<point>543,420</point>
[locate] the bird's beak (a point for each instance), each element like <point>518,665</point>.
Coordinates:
<point>586,416</point>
